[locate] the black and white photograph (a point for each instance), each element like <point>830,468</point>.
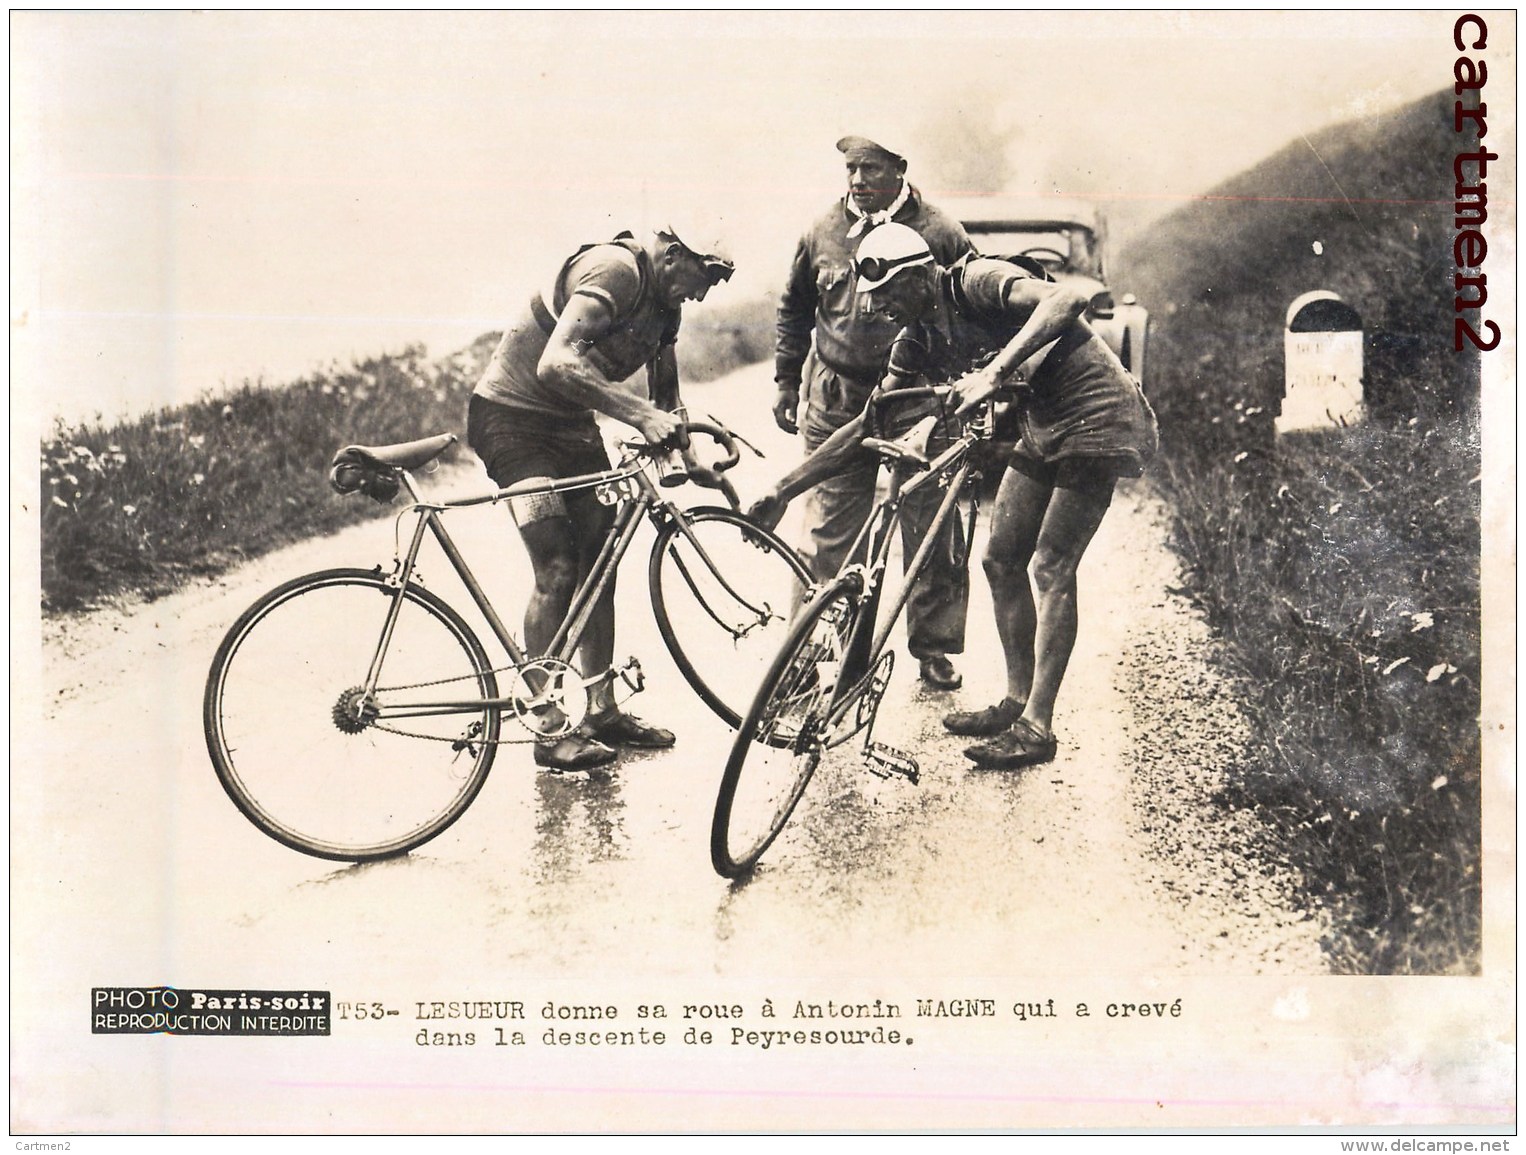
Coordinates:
<point>702,572</point>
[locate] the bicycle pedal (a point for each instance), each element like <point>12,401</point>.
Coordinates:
<point>886,762</point>
<point>631,675</point>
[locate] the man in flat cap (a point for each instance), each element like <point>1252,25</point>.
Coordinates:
<point>829,355</point>
<point>612,309</point>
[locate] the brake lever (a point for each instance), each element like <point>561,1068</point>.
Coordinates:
<point>735,436</point>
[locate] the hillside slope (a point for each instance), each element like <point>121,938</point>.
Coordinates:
<point>1363,208</point>
<point>1343,566</point>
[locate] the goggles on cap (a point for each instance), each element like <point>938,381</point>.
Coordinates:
<point>718,269</point>
<point>872,272</point>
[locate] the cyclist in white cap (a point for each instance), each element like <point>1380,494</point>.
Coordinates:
<point>1084,423</point>
<point>611,309</point>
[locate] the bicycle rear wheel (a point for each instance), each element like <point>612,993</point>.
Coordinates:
<point>781,740</point>
<point>308,757</point>
<point>721,590</point>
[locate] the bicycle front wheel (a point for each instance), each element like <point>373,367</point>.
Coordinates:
<point>781,740</point>
<point>315,761</point>
<point>721,590</point>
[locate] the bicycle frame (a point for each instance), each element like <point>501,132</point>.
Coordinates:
<point>952,469</point>
<point>638,497</point>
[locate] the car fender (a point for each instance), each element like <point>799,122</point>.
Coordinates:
<point>1133,322</point>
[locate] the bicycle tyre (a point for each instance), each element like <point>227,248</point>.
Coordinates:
<point>272,717</point>
<point>780,741</point>
<point>721,638</point>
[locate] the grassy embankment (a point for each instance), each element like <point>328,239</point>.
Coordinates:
<point>1342,567</point>
<point>143,505</point>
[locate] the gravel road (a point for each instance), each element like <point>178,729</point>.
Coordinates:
<point>1117,850</point>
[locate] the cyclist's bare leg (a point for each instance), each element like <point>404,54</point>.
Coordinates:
<point>1016,521</point>
<point>557,558</point>
<point>597,649</point>
<point>1070,522</point>
<point>556,565</point>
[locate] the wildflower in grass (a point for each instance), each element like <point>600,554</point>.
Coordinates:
<point>1241,456</point>
<point>198,478</point>
<point>129,510</point>
<point>197,440</point>
<point>1440,781</point>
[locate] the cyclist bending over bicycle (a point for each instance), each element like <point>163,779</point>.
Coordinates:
<point>1084,423</point>
<point>611,309</point>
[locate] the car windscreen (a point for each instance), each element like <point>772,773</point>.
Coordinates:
<point>1058,249</point>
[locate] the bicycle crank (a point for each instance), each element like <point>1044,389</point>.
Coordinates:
<point>550,698</point>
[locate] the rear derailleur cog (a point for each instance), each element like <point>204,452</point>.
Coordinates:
<point>549,697</point>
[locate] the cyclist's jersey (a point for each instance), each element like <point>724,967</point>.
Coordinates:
<point>1081,402</point>
<point>618,275</point>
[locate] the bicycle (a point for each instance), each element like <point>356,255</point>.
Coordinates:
<point>826,683</point>
<point>353,714</point>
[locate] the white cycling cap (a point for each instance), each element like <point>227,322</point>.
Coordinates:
<point>886,250</point>
<point>702,234</point>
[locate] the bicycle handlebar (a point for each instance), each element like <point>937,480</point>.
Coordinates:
<point>716,432</point>
<point>885,396</point>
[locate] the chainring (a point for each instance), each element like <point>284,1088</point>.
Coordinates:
<point>549,698</point>
<point>874,690</point>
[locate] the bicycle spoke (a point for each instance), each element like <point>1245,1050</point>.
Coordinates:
<point>722,592</point>
<point>785,733</point>
<point>296,739</point>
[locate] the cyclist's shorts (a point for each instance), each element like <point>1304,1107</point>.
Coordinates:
<point>1093,476</point>
<point>518,445</point>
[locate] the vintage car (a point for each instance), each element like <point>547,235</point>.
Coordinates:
<point>1066,240</point>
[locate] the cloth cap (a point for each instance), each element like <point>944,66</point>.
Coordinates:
<point>886,250</point>
<point>861,147</point>
<point>703,240</point>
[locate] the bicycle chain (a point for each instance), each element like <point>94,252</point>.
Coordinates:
<point>460,743</point>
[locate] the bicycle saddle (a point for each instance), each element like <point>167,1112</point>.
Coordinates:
<point>404,455</point>
<point>372,469</point>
